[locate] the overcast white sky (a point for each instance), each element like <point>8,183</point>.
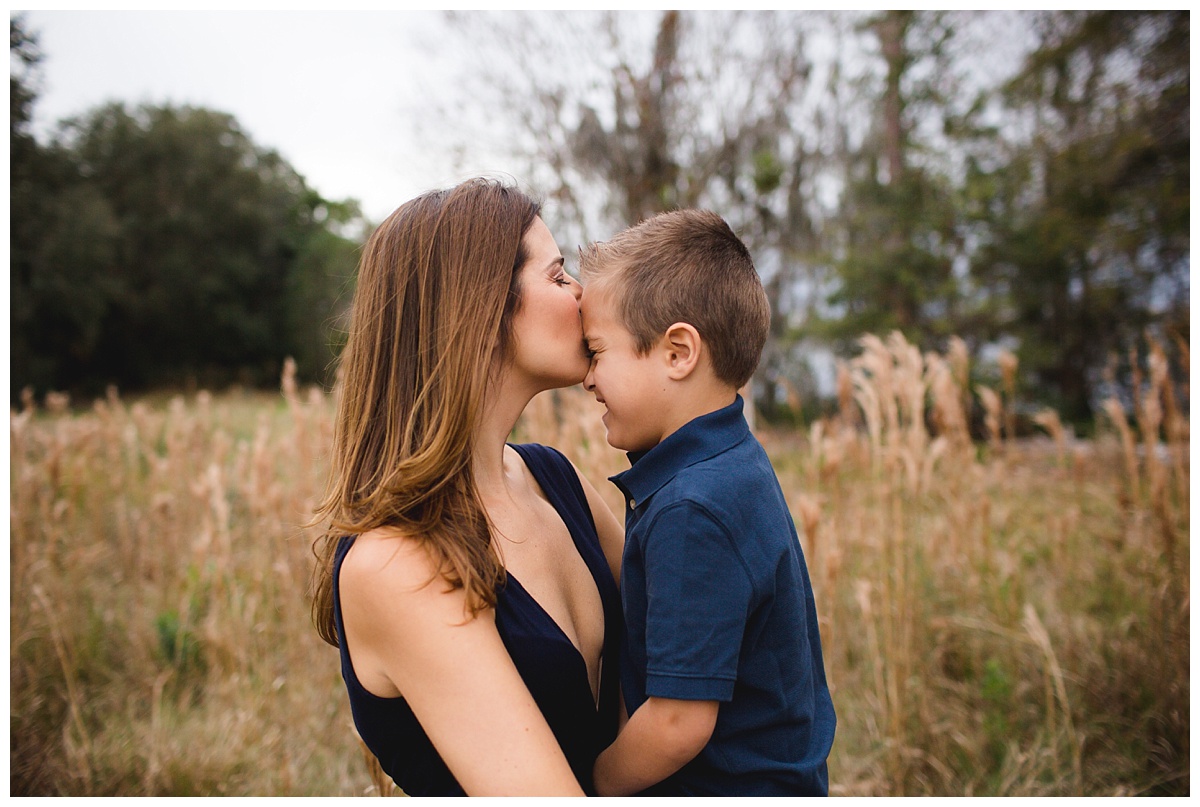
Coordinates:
<point>339,94</point>
<point>336,93</point>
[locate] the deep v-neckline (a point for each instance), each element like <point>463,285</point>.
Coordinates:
<point>512,580</point>
<point>554,501</point>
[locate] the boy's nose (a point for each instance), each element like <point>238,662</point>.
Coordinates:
<point>589,383</point>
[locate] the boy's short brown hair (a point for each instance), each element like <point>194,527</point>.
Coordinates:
<point>686,266</point>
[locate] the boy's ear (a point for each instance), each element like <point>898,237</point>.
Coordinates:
<point>681,346</point>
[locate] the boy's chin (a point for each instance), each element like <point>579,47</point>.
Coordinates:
<point>615,442</point>
<point>624,443</point>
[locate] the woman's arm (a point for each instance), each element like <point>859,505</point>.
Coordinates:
<point>610,530</point>
<point>411,634</point>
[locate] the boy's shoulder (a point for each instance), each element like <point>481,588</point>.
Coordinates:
<point>725,479</point>
<point>743,459</point>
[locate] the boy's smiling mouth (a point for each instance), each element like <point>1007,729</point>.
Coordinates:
<point>604,417</point>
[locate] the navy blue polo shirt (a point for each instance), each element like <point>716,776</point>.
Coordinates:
<point>718,606</point>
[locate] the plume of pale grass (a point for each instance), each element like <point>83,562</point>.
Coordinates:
<point>862,593</point>
<point>810,518</point>
<point>287,382</point>
<point>1150,420</point>
<point>822,560</point>
<point>1049,420</point>
<point>911,387</point>
<point>816,450</point>
<point>1175,426</point>
<point>847,414</point>
<point>946,398</point>
<point>1116,413</point>
<point>57,403</point>
<point>28,401</point>
<point>871,378</point>
<point>1184,361</point>
<point>958,357</point>
<point>868,398</point>
<point>1008,378</point>
<point>994,414</point>
<point>1055,691</point>
<point>891,383</point>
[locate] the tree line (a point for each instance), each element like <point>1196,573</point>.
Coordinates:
<point>1018,179</point>
<point>159,246</point>
<point>889,171</point>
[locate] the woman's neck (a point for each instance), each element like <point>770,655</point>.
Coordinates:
<point>500,413</point>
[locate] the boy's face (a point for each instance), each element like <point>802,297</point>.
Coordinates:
<point>631,387</point>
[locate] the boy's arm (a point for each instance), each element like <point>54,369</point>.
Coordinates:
<point>662,736</point>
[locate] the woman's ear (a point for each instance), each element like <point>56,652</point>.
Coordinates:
<point>682,346</point>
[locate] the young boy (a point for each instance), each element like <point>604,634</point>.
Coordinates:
<point>721,668</point>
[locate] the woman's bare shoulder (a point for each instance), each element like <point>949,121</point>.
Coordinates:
<point>385,564</point>
<point>401,615</point>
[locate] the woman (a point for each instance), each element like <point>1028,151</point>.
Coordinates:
<point>469,584</point>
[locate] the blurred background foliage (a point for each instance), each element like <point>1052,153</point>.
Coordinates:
<point>159,246</point>
<point>890,171</point>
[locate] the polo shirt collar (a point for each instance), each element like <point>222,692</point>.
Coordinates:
<point>698,440</point>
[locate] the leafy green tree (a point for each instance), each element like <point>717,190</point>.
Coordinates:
<point>24,57</point>
<point>38,177</point>
<point>1086,221</point>
<point>320,283</point>
<point>160,245</point>
<point>897,231</point>
<point>205,219</point>
<point>25,191</point>
<point>176,251</point>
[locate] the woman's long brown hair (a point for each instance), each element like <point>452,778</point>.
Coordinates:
<point>437,290</point>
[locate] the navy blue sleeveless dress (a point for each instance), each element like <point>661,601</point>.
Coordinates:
<point>553,670</point>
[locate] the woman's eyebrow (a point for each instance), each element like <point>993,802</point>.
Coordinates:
<point>557,262</point>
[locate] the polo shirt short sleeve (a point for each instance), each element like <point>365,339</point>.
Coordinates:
<point>718,606</point>
<point>697,599</point>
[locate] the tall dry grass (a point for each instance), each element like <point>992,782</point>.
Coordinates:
<point>997,619</point>
<point>159,638</point>
<point>1003,619</point>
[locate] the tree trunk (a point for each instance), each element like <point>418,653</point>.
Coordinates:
<point>891,30</point>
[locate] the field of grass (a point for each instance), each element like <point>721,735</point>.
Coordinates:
<point>998,618</point>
